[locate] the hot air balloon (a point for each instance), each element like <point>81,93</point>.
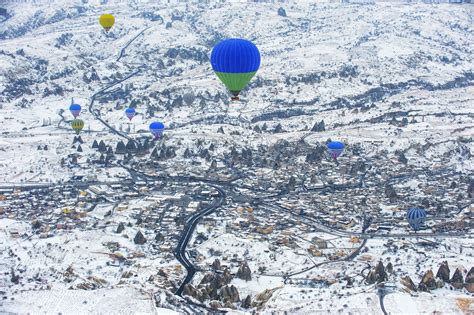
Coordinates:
<point>157,128</point>
<point>416,217</point>
<point>77,125</point>
<point>335,148</point>
<point>75,109</point>
<point>130,113</point>
<point>235,61</point>
<point>189,98</point>
<point>107,21</point>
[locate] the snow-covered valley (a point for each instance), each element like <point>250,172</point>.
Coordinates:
<point>242,195</point>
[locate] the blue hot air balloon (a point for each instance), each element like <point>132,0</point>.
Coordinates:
<point>335,148</point>
<point>75,109</point>
<point>235,62</point>
<point>130,113</point>
<point>157,128</point>
<point>416,217</point>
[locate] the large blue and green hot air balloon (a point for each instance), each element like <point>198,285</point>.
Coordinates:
<point>235,61</point>
<point>335,148</point>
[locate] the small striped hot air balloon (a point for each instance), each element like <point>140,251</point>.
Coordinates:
<point>107,21</point>
<point>77,125</point>
<point>335,148</point>
<point>416,217</point>
<point>235,61</point>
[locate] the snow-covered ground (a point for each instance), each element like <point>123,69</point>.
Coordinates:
<point>360,68</point>
<point>103,301</point>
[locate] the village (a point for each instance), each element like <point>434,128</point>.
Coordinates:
<point>317,211</point>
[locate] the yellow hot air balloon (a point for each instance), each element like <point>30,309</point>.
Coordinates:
<point>107,21</point>
<point>77,125</point>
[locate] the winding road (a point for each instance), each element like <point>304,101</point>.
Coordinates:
<point>180,251</point>
<point>96,113</point>
<point>122,51</point>
<point>191,223</point>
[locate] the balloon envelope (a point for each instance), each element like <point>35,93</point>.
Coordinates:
<point>235,61</point>
<point>189,98</point>
<point>335,148</point>
<point>77,125</point>
<point>157,128</point>
<point>130,113</point>
<point>75,109</point>
<point>416,217</point>
<point>107,21</point>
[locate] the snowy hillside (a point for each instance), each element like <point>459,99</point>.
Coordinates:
<point>395,82</point>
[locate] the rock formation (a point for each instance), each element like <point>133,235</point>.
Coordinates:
<point>215,304</point>
<point>14,277</point>
<point>120,148</point>
<point>408,283</point>
<point>229,294</point>
<point>469,283</point>
<point>377,275</point>
<point>159,237</point>
<point>197,294</point>
<point>244,272</point>
<point>35,225</point>
<point>281,12</point>
<point>443,272</point>
<point>317,127</point>
<point>139,239</point>
<point>216,265</point>
<point>428,282</point>
<point>211,283</point>
<point>262,298</point>
<point>102,147</point>
<point>247,302</point>
<point>95,145</point>
<point>390,193</point>
<point>120,228</point>
<point>457,280</point>
<point>389,267</point>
